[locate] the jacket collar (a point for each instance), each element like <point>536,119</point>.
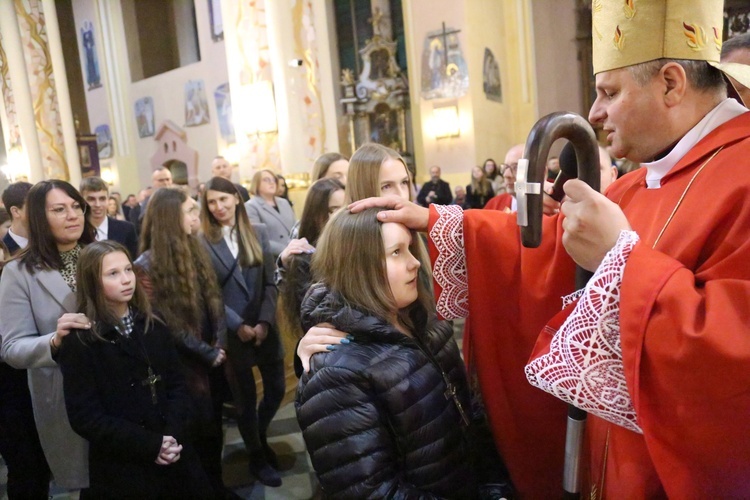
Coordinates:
<point>53,282</point>
<point>221,250</point>
<point>277,214</point>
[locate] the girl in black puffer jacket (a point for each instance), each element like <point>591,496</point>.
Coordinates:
<point>388,415</point>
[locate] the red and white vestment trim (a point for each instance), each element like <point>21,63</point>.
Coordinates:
<point>584,364</point>
<point>449,270</point>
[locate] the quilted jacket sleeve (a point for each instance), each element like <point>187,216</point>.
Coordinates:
<point>348,438</point>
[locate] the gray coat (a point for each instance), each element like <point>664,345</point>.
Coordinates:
<point>249,297</point>
<point>278,224</point>
<point>31,306</point>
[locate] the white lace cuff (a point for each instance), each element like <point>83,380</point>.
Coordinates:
<point>584,364</point>
<point>449,270</point>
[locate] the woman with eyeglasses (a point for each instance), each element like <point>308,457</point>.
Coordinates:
<point>273,211</point>
<point>38,297</point>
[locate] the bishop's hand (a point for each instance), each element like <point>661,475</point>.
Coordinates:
<point>592,224</point>
<point>404,212</point>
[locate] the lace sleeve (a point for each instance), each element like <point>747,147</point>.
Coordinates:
<point>449,270</point>
<point>584,364</point>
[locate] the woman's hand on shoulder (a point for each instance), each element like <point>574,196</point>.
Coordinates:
<point>295,247</point>
<point>66,323</point>
<point>320,338</point>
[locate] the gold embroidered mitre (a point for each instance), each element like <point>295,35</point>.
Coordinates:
<point>628,32</point>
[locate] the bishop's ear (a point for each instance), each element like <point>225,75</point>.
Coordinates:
<point>674,80</point>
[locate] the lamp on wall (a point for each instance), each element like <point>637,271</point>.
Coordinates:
<point>17,168</point>
<point>108,176</point>
<point>258,111</point>
<point>445,121</point>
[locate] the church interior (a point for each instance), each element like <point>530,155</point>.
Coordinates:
<point>119,88</point>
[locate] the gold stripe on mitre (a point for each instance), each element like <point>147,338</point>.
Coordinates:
<point>628,32</point>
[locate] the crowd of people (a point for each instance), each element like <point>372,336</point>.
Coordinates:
<point>127,325</point>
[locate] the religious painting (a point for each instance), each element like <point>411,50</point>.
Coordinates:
<point>144,116</point>
<point>224,112</point>
<point>384,127</point>
<point>217,24</point>
<point>104,141</point>
<point>93,77</point>
<point>444,70</point>
<point>493,89</point>
<point>88,155</point>
<point>196,105</point>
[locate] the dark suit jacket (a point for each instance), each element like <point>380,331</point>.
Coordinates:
<point>11,244</point>
<point>249,298</point>
<point>442,192</point>
<point>243,192</point>
<point>123,232</point>
<point>109,405</point>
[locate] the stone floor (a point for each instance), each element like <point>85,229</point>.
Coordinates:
<point>298,477</point>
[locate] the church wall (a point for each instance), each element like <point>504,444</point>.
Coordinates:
<point>558,72</point>
<point>455,155</point>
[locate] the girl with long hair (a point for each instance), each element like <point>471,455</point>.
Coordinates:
<point>324,197</point>
<point>479,192</point>
<point>177,274</point>
<point>493,174</point>
<point>330,166</point>
<point>243,263</point>
<point>374,170</point>
<point>37,293</point>
<point>124,388</point>
<point>388,415</point>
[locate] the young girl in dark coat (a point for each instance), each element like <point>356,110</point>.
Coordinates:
<point>389,414</point>
<point>124,388</point>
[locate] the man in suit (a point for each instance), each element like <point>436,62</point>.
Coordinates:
<point>14,199</point>
<point>96,193</point>
<point>130,202</point>
<point>435,190</point>
<point>220,167</point>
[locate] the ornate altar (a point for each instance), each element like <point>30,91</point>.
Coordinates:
<point>377,101</point>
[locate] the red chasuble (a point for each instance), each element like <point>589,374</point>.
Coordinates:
<point>502,201</point>
<point>685,333</point>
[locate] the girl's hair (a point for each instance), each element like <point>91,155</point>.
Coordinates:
<point>251,252</point>
<point>323,162</point>
<point>364,171</point>
<point>255,183</point>
<point>482,186</point>
<point>350,260</point>
<point>314,218</point>
<point>118,208</point>
<point>181,272</point>
<point>89,295</point>
<point>42,252</point>
<point>495,171</point>
<point>280,178</point>
<point>315,213</point>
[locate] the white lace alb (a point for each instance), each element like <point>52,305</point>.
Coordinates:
<point>584,365</point>
<point>449,271</point>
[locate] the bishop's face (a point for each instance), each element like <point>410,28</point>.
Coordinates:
<point>634,117</point>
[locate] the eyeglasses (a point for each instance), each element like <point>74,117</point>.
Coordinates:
<point>62,211</point>
<point>513,167</point>
<point>268,180</point>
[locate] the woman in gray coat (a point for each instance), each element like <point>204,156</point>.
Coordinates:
<point>242,259</point>
<point>37,293</point>
<point>267,208</point>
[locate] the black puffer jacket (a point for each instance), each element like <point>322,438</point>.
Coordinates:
<point>374,413</point>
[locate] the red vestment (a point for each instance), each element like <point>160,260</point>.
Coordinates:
<point>685,333</point>
<point>502,201</point>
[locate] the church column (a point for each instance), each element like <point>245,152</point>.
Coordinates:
<point>63,94</point>
<point>17,99</point>
<point>29,52</point>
